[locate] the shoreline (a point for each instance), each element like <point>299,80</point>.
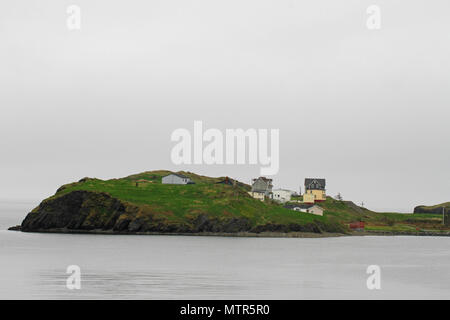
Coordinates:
<point>245,234</point>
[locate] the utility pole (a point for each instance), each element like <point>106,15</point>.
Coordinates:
<point>443,215</point>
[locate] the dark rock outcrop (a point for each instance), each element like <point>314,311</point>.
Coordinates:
<point>313,227</point>
<point>77,210</point>
<point>432,210</point>
<point>15,228</point>
<point>203,223</point>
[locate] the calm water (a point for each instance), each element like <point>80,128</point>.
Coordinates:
<point>180,267</point>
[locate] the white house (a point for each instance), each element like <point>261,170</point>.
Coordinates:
<point>282,195</point>
<point>176,178</point>
<point>308,208</point>
<point>315,209</point>
<point>257,195</point>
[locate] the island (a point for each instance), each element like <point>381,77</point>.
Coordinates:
<point>143,204</point>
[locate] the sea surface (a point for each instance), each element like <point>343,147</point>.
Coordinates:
<point>33,265</point>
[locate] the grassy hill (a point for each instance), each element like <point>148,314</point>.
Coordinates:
<point>347,211</point>
<point>435,209</point>
<point>177,202</point>
<point>141,203</point>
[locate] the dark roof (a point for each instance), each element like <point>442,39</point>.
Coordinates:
<point>314,183</point>
<point>264,179</point>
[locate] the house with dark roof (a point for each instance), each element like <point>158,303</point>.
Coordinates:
<point>261,188</point>
<point>314,190</point>
<point>262,184</point>
<point>176,178</point>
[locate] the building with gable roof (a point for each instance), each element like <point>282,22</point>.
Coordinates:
<point>314,190</point>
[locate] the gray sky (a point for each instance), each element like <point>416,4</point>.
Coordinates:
<point>366,109</point>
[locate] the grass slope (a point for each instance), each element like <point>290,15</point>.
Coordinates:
<point>179,203</point>
<point>445,205</point>
<point>346,212</point>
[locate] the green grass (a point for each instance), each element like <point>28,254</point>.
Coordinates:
<point>177,202</point>
<point>395,228</point>
<point>445,205</point>
<point>346,212</point>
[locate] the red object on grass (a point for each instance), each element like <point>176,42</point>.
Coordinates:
<point>357,225</point>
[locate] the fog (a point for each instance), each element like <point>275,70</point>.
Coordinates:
<point>366,109</point>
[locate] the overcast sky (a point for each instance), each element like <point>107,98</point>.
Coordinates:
<point>366,109</point>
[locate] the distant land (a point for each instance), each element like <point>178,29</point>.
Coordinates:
<point>436,209</point>
<point>141,204</point>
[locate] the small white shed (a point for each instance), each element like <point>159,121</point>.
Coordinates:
<point>282,195</point>
<point>175,178</point>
